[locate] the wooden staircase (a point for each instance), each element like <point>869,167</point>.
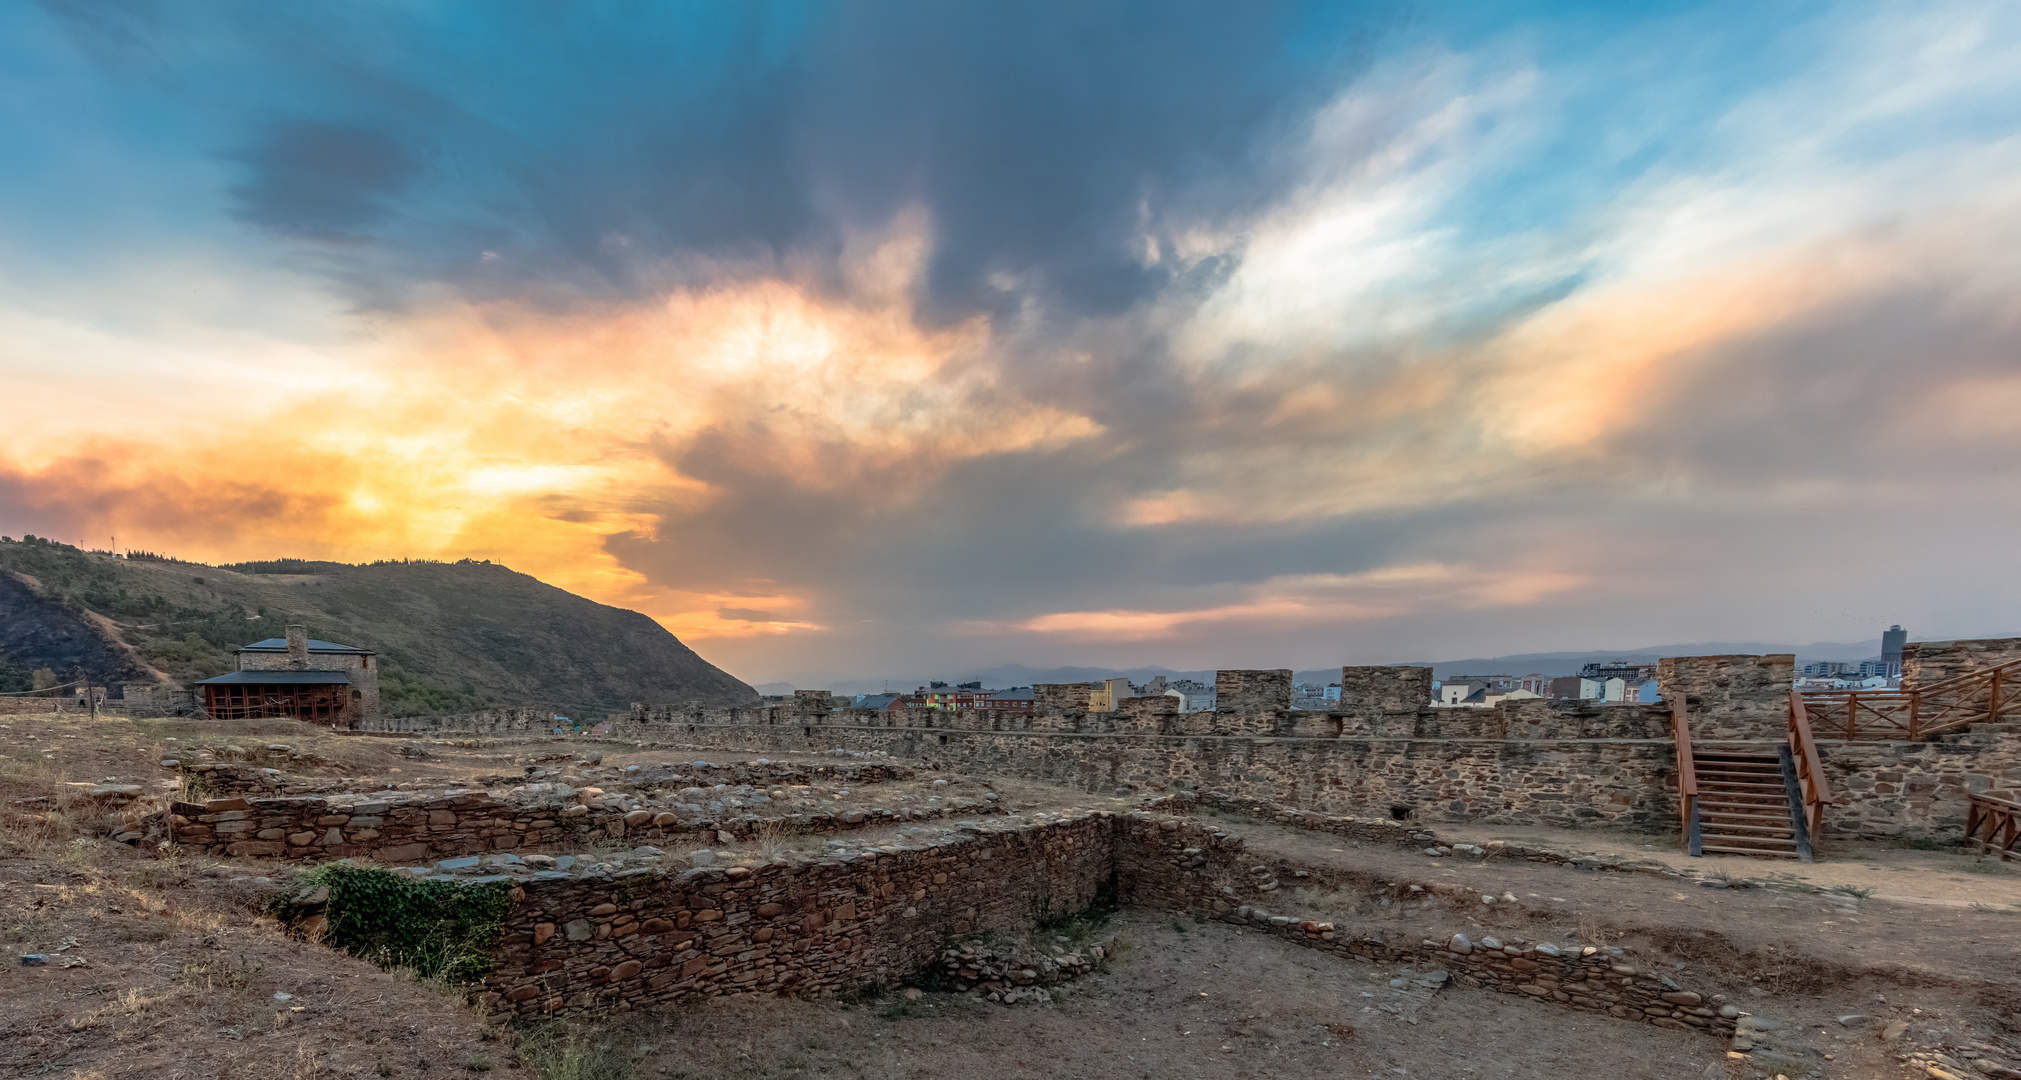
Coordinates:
<point>1744,806</point>
<point>1736,802</point>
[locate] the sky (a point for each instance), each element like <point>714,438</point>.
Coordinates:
<point>850,339</point>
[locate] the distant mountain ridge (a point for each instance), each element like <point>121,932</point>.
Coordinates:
<point>452,637</point>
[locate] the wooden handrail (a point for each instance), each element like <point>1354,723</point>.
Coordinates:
<point>1687,773</point>
<point>1918,712</point>
<point>1994,825</point>
<point>1810,772</point>
<point>1966,677</point>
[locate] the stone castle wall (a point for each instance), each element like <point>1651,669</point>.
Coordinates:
<point>1565,764</point>
<point>1730,697</point>
<point>648,938</point>
<point>1881,790</point>
<point>1567,782</point>
<point>1925,663</point>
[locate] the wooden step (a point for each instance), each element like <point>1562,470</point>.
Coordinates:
<point>1722,828</point>
<point>1736,786</point>
<point>1747,843</point>
<point>1776,804</point>
<point>1723,816</point>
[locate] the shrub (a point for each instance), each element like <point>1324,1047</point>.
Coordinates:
<point>439,929</point>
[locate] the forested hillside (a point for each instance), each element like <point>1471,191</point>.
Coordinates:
<point>451,636</point>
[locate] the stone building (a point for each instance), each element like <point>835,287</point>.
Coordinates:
<point>300,678</point>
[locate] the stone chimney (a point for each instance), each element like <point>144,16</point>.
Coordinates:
<point>298,647</point>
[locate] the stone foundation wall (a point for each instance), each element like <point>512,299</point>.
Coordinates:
<point>247,781</point>
<point>399,827</point>
<point>1170,864</point>
<point>487,722</point>
<point>647,938</point>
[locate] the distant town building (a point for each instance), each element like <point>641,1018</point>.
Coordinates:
<point>1635,672</point>
<point>1104,696</point>
<point>1312,696</point>
<point>939,695</point>
<point>1193,696</point>
<point>298,678</point>
<point>880,702</point>
<point>1016,699</point>
<point>1892,641</point>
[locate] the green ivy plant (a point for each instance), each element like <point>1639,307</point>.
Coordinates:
<point>439,929</point>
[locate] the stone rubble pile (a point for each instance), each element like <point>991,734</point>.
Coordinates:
<point>1012,973</point>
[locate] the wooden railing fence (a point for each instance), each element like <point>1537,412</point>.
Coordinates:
<point>1978,697</point>
<point>1687,778</point>
<point>1810,778</point>
<point>1994,825</point>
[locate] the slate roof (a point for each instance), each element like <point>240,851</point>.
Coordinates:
<point>274,644</point>
<point>279,678</point>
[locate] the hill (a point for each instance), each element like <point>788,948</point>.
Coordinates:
<point>451,636</point>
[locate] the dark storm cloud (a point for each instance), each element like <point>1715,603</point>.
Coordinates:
<point>611,146</point>
<point>326,182</point>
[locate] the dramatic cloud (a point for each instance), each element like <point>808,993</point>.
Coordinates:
<point>866,339</point>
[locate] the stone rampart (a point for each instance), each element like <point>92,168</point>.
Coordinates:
<point>1925,663</point>
<point>1565,782</point>
<point>1384,689</point>
<point>647,937</point>
<point>1882,790</point>
<point>1730,697</point>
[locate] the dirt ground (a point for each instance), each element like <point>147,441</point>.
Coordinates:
<point>1183,999</point>
<point>161,965</point>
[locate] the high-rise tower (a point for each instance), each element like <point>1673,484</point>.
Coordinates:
<point>1891,649</point>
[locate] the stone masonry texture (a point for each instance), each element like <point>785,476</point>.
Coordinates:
<point>1730,697</point>
<point>643,938</point>
<point>651,937</point>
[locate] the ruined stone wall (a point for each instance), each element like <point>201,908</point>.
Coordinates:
<point>648,938</point>
<point>1927,662</point>
<point>1730,697</point>
<point>1173,865</point>
<point>485,722</point>
<point>250,780</point>
<point>403,827</point>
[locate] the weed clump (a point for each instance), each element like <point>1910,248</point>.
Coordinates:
<point>440,930</point>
